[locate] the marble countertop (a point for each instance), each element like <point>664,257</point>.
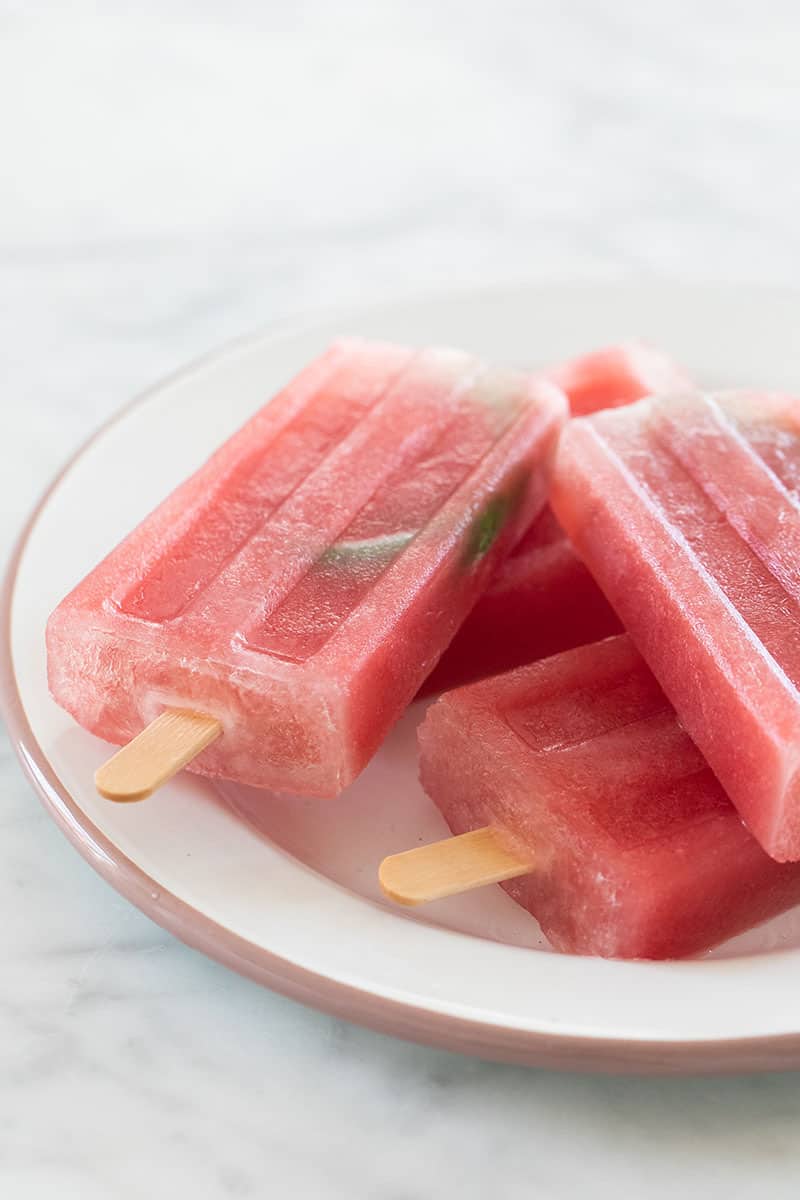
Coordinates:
<point>172,177</point>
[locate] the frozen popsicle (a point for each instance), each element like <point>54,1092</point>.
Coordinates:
<point>543,599</point>
<point>687,512</point>
<point>287,600</point>
<point>617,375</point>
<point>577,788</point>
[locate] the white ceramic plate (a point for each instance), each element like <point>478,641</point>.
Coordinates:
<point>285,890</point>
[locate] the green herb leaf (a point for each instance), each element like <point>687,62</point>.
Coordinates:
<point>486,527</point>
<point>383,548</point>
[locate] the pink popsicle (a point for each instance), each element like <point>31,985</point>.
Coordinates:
<point>301,584</point>
<point>687,511</point>
<point>617,375</point>
<point>579,760</point>
<point>542,598</point>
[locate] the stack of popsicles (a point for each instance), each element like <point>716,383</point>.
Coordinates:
<point>383,526</point>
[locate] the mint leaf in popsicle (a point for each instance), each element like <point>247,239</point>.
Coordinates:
<point>486,527</point>
<point>381,548</point>
<point>492,518</point>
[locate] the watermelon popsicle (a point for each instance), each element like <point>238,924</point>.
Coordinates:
<point>572,781</point>
<point>687,511</point>
<point>297,589</point>
<point>543,599</point>
<point>617,375</point>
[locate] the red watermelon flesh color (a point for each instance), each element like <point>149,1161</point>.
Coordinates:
<point>543,599</point>
<point>618,375</point>
<point>688,514</point>
<point>581,762</point>
<point>303,582</point>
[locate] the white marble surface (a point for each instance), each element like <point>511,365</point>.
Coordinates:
<point>171,176</point>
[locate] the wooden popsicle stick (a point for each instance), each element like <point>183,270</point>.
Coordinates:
<point>165,747</point>
<point>451,866</point>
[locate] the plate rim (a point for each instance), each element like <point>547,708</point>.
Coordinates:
<point>414,1022</point>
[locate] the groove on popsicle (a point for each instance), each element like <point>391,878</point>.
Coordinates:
<point>166,746</point>
<point>451,866</point>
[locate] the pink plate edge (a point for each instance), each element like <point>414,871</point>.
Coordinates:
<point>408,1021</point>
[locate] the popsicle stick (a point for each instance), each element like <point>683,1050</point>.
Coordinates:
<point>451,866</point>
<point>165,747</point>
